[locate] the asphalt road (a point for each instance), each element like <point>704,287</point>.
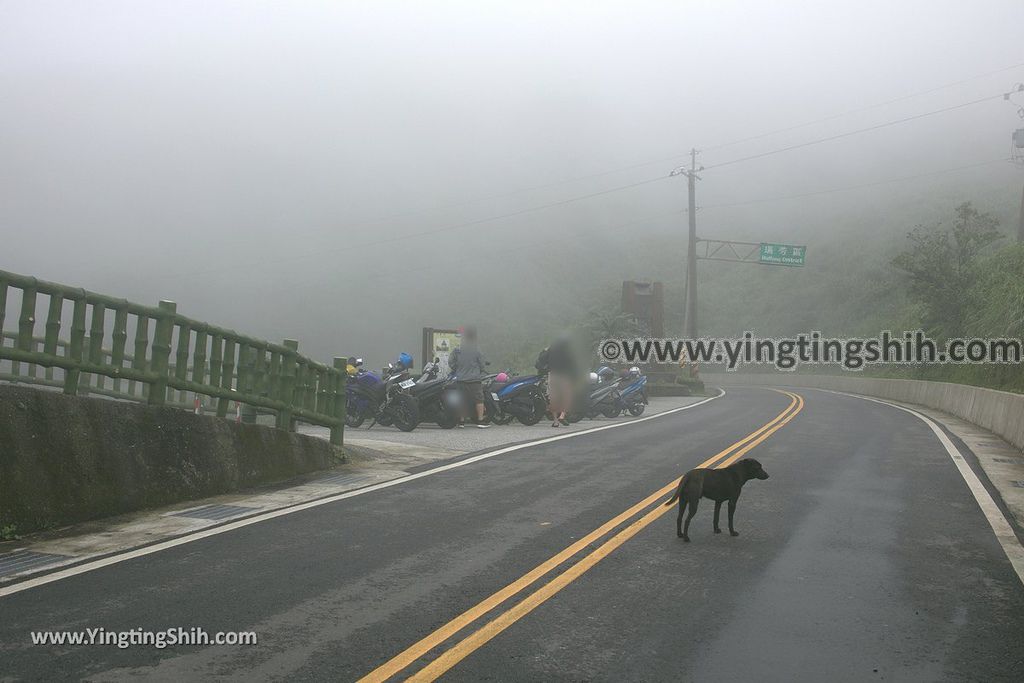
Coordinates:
<point>863,557</point>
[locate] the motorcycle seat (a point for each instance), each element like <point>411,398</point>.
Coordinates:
<point>498,386</point>
<point>425,386</point>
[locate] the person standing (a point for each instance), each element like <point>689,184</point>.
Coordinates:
<point>561,365</point>
<point>468,365</point>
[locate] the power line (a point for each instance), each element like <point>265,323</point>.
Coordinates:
<point>858,131</point>
<point>759,136</point>
<point>859,109</point>
<point>571,200</point>
<point>888,181</point>
<point>666,159</point>
<point>646,219</point>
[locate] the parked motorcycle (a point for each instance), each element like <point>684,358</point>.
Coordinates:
<point>596,398</point>
<point>633,391</point>
<point>521,398</point>
<point>429,392</point>
<point>385,397</point>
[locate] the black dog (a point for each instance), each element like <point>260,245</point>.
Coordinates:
<point>721,485</point>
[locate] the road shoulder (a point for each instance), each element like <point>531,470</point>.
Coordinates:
<point>991,468</point>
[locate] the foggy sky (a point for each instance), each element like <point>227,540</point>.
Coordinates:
<point>260,163</point>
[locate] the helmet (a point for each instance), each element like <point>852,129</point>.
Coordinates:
<point>502,377</point>
<point>605,372</point>
<point>634,371</point>
<point>405,360</point>
<point>593,378</point>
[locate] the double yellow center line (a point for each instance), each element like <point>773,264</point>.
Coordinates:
<point>463,648</point>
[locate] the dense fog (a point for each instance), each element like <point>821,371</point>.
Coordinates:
<point>347,173</point>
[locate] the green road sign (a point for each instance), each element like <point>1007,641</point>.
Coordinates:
<point>782,254</point>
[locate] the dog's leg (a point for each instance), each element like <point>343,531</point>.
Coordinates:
<point>679,519</point>
<point>718,509</point>
<point>693,510</point>
<point>732,511</point>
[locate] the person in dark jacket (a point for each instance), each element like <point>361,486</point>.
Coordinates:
<point>468,365</point>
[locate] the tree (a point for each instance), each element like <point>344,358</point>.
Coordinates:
<point>941,268</point>
<point>1000,295</point>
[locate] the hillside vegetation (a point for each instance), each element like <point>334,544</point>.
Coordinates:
<point>956,276</point>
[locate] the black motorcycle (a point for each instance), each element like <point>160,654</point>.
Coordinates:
<point>430,394</point>
<point>384,398</point>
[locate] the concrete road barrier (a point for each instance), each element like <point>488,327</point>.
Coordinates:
<point>68,459</point>
<point>1000,412</point>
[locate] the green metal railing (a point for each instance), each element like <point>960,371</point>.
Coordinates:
<point>171,357</point>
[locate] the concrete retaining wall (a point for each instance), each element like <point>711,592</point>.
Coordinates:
<point>67,459</point>
<point>1000,412</point>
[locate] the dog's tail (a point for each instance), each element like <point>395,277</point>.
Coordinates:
<point>679,491</point>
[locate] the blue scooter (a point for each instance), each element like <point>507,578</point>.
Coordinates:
<point>600,397</point>
<point>522,398</point>
<point>633,392</point>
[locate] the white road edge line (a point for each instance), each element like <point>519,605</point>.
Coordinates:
<point>206,533</point>
<point>1000,526</point>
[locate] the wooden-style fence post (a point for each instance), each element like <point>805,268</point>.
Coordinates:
<point>3,306</point>
<point>74,349</point>
<point>162,352</point>
<point>53,317</point>
<point>53,324</point>
<point>27,320</point>
<point>227,374</point>
<point>286,388</point>
<point>96,330</point>
<point>338,402</point>
<point>181,358</point>
<point>247,380</point>
<point>119,338</point>
<point>26,326</point>
<point>139,353</point>
<point>199,362</point>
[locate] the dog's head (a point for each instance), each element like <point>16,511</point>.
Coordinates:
<point>754,469</point>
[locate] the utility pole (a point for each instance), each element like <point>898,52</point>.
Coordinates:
<point>1020,227</point>
<point>690,313</point>
<point>1017,151</point>
<point>690,321</point>
<point>763,253</point>
<point>1017,156</point>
